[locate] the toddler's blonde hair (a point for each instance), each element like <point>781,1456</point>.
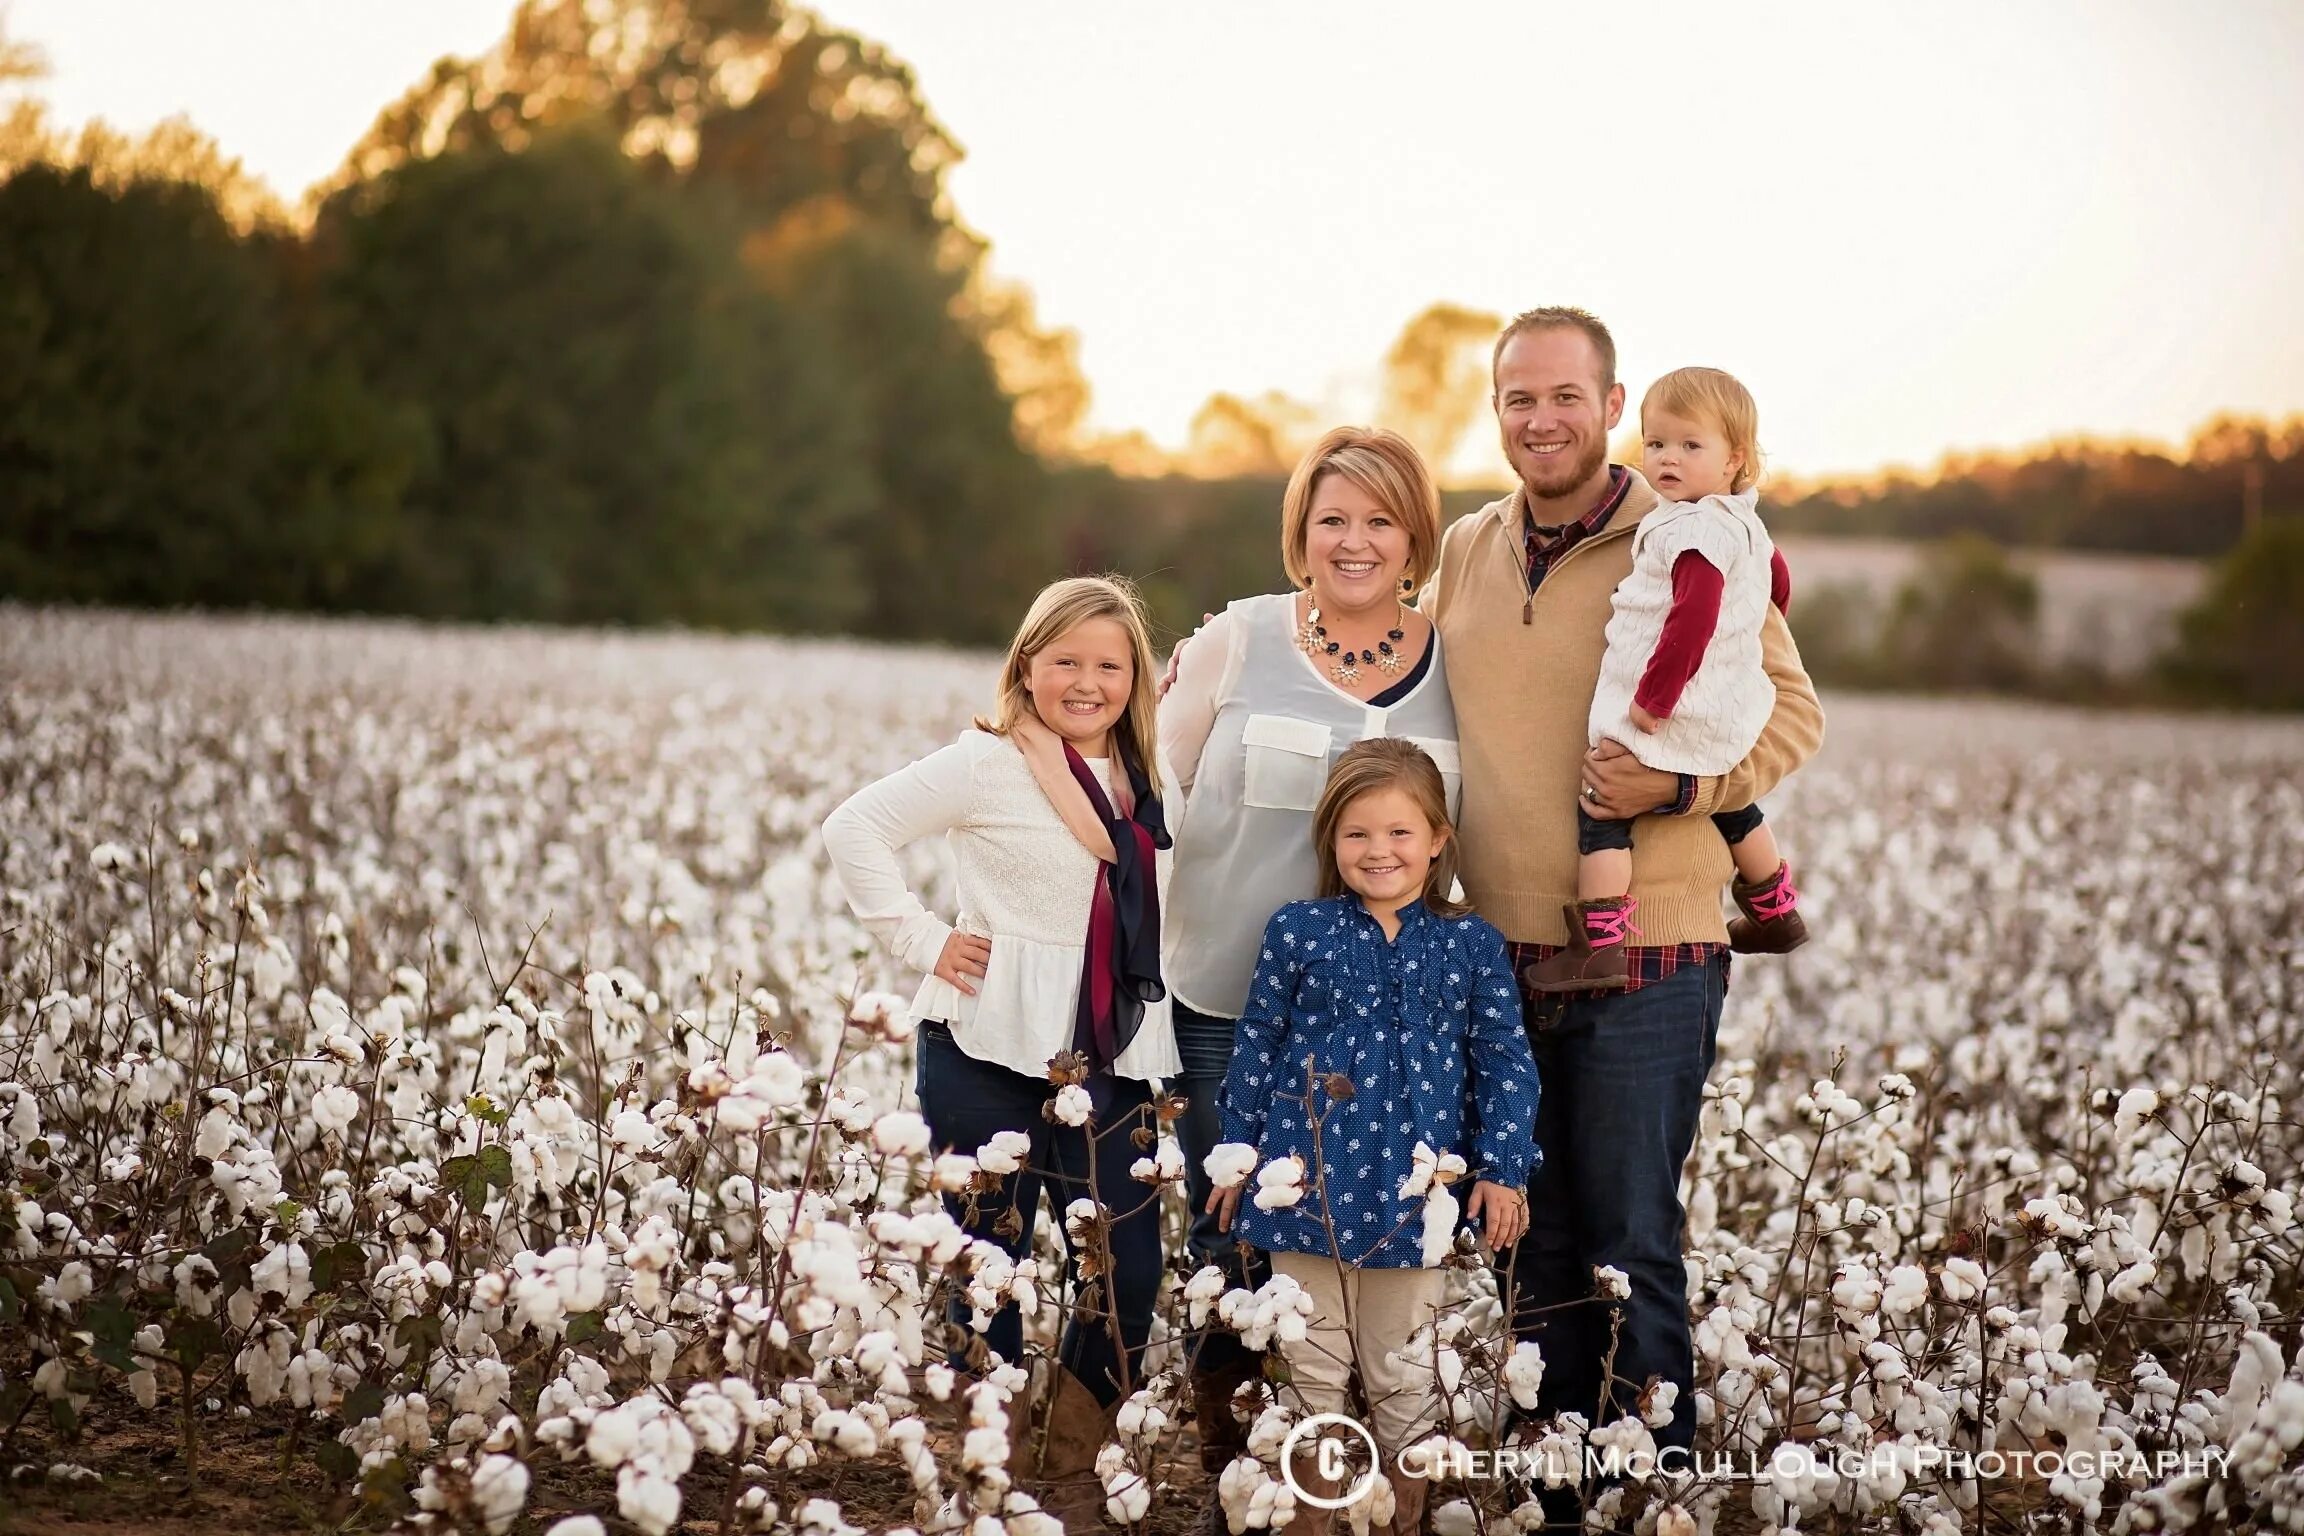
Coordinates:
<point>1710,394</point>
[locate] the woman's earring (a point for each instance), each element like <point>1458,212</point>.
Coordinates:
<point>1407,584</point>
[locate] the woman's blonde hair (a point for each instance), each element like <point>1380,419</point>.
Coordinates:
<point>1387,762</point>
<point>1386,466</point>
<point>1062,607</point>
<point>1708,394</point>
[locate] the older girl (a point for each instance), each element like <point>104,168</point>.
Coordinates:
<point>1048,972</point>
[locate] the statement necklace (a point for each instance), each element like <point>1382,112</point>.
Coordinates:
<point>1312,639</point>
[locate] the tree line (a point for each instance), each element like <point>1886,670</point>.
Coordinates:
<point>659,313</point>
<point>2199,500</point>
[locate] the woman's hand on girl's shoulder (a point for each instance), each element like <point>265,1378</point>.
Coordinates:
<point>1176,656</point>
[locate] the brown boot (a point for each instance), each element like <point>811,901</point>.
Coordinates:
<point>1059,1459</point>
<point>1308,1521</point>
<point>1407,1504</point>
<point>1771,924</point>
<point>1593,959</point>
<point>1223,1438</point>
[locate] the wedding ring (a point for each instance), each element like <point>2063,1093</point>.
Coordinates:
<point>1590,793</point>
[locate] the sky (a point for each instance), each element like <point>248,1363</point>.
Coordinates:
<point>1909,229</point>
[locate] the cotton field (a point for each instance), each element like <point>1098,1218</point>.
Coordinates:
<point>441,1059</point>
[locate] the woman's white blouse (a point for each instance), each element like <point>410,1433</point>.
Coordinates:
<point>1024,882</point>
<point>1255,726</point>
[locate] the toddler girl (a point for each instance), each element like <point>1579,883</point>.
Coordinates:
<point>1681,684</point>
<point>1048,976</point>
<point>1406,1007</point>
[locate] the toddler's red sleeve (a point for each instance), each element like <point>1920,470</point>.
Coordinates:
<point>1695,614</point>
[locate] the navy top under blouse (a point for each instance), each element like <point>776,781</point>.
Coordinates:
<point>1426,1027</point>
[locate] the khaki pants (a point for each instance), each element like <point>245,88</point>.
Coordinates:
<point>1361,1316</point>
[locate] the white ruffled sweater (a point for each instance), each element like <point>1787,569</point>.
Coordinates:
<point>1727,702</point>
<point>1024,882</point>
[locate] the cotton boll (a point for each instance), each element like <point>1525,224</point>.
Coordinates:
<point>2131,1284</point>
<point>647,1498</point>
<point>1227,1164</point>
<point>1280,1184</point>
<point>1423,1164</point>
<point>1004,1154</point>
<point>900,1133</point>
<point>1455,1518</point>
<point>1127,1492</point>
<point>614,1436</point>
<point>499,1492</point>
<point>333,1108</point>
<point>712,1418</point>
<point>1906,1291</point>
<point>1439,1236</point>
<point>1071,1105</point>
<point>1962,1280</point>
<point>632,1133</point>
<point>1524,1373</point>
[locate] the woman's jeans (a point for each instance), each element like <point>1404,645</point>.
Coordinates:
<point>966,1103</point>
<point>1204,1042</point>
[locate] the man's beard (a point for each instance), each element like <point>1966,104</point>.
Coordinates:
<point>1582,468</point>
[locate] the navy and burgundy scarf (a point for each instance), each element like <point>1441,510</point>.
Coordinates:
<point>1120,971</point>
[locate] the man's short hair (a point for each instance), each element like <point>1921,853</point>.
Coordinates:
<point>1560,317</point>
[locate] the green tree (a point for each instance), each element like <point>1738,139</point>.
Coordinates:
<point>957,540</point>
<point>618,423</point>
<point>142,369</point>
<point>2243,642</point>
<point>810,153</point>
<point>1838,625</point>
<point>1968,620</point>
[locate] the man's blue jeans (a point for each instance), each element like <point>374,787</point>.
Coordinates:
<point>1204,1044</point>
<point>966,1102</point>
<point>1623,1076</point>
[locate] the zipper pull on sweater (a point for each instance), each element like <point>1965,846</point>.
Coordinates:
<point>1528,609</point>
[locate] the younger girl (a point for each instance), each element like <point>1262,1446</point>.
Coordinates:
<point>1407,1009</point>
<point>1681,683</point>
<point>1052,811</point>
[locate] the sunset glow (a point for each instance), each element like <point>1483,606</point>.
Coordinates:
<point>1909,230</point>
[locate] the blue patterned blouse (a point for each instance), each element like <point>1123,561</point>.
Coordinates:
<point>1426,1026</point>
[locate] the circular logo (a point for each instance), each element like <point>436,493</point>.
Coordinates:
<point>1329,1460</point>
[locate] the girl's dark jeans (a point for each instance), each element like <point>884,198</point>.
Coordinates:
<point>966,1103</point>
<point>1204,1042</point>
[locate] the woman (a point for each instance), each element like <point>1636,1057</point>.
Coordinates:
<point>1266,696</point>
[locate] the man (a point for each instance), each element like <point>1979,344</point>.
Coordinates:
<point>1521,600</point>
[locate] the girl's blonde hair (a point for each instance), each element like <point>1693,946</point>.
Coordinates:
<point>1386,466</point>
<point>1387,762</point>
<point>1061,607</point>
<point>1709,394</point>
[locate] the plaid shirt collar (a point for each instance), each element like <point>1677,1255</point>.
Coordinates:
<point>1545,545</point>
